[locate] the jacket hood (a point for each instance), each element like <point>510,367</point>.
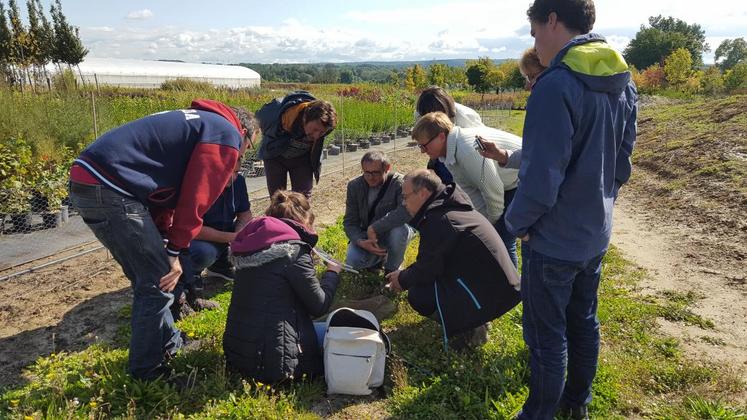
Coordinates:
<point>446,197</point>
<point>595,63</point>
<point>263,232</point>
<point>219,108</point>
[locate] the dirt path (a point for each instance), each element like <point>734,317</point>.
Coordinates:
<point>681,258</point>
<point>69,306</point>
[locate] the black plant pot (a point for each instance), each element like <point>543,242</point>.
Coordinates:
<point>21,222</point>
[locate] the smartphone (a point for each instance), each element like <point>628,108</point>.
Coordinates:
<point>479,141</point>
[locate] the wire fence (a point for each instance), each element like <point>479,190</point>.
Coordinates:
<point>48,233</point>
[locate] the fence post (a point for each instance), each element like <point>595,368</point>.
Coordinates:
<point>95,123</point>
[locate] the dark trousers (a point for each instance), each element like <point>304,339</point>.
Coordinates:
<point>561,330</point>
<point>125,227</point>
<point>500,226</point>
<point>299,169</point>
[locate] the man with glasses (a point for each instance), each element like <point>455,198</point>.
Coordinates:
<point>375,219</point>
<point>489,186</point>
<point>462,277</point>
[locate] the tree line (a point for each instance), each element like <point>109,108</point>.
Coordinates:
<point>26,49</point>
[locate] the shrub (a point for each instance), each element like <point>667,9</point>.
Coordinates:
<point>183,84</point>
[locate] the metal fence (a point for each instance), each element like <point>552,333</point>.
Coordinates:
<point>44,236</point>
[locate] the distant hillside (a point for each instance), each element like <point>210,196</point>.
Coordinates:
<point>365,71</point>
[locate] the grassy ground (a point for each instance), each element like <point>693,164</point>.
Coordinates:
<point>641,374</point>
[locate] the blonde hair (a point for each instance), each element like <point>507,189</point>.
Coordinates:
<point>430,125</point>
<point>530,65</point>
<point>291,205</point>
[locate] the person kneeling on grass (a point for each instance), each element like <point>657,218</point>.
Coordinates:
<point>269,335</point>
<point>375,219</point>
<point>209,250</point>
<point>463,276</point>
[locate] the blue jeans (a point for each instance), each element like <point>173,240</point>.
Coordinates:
<point>561,330</point>
<point>201,255</point>
<point>320,328</point>
<point>395,242</point>
<point>500,226</point>
<point>126,228</point>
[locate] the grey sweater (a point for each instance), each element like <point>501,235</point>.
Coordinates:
<point>389,212</point>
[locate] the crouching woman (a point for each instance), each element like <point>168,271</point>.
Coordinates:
<point>270,335</point>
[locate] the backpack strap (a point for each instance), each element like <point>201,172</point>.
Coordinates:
<point>379,196</point>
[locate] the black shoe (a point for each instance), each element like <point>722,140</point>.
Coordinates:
<point>226,273</point>
<point>181,308</point>
<point>197,303</point>
<point>575,413</point>
<point>470,339</point>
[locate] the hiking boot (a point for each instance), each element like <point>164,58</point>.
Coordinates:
<point>197,303</point>
<point>180,308</point>
<point>470,339</point>
<point>575,413</point>
<point>223,272</point>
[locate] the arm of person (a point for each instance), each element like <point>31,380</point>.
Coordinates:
<point>242,219</point>
<point>351,222</point>
<point>437,241</point>
<point>316,295</point>
<point>623,164</point>
<point>483,175</point>
<point>214,235</point>
<point>546,151</point>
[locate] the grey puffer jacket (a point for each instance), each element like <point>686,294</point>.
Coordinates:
<point>269,333</point>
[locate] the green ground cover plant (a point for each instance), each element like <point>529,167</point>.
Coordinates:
<point>642,372</point>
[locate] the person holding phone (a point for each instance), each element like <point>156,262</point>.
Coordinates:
<point>490,187</point>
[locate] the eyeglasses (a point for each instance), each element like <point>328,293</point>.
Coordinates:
<point>405,195</point>
<point>373,173</point>
<point>425,145</point>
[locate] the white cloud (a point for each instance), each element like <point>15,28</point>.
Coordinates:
<point>468,29</point>
<point>140,14</point>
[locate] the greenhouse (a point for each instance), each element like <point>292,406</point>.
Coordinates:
<point>150,74</point>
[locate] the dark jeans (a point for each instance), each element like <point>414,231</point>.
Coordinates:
<point>561,330</point>
<point>301,174</point>
<point>500,226</point>
<point>126,228</point>
<point>201,255</point>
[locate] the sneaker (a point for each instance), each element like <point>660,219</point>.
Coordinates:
<point>197,303</point>
<point>225,273</point>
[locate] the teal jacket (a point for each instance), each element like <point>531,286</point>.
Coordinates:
<point>579,133</point>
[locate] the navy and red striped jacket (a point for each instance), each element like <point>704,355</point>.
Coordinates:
<point>176,162</point>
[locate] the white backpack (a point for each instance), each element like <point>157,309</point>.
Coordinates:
<point>355,352</point>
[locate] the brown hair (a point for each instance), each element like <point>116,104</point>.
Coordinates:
<point>247,121</point>
<point>322,111</point>
<point>435,99</point>
<point>576,15</point>
<point>430,125</point>
<point>291,205</point>
<point>530,65</point>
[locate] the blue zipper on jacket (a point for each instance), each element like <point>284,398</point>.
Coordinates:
<point>469,292</point>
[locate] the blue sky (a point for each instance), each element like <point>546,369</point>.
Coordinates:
<point>230,31</point>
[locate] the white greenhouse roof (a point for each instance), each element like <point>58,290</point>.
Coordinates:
<point>151,74</point>
<point>111,66</point>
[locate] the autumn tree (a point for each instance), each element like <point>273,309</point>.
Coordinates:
<point>678,67</point>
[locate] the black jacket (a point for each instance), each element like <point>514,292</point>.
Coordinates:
<point>275,139</point>
<point>269,331</point>
<point>464,259</point>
